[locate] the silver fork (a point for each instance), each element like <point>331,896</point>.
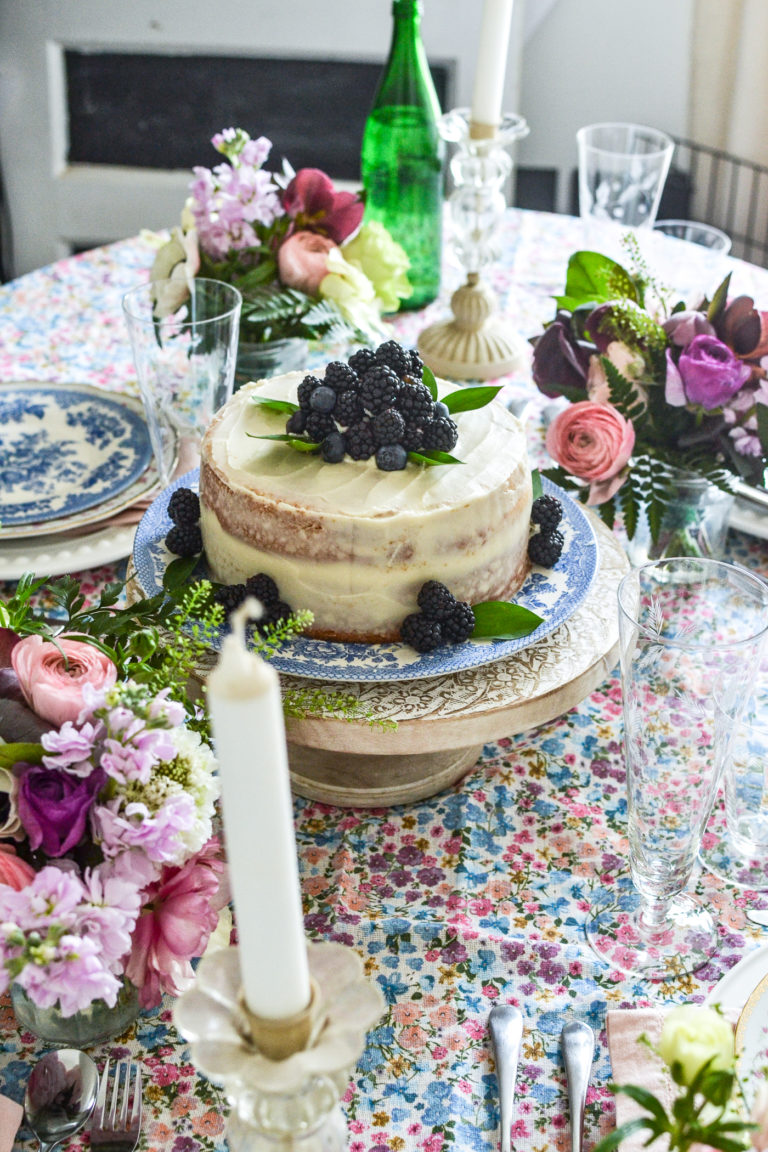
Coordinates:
<point>116,1122</point>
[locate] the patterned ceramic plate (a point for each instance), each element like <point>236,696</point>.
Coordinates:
<point>554,595</point>
<point>66,448</point>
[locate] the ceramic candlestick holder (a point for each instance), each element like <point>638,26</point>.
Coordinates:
<point>477,343</point>
<point>284,1079</point>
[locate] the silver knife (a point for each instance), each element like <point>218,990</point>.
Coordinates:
<point>505,1024</point>
<point>578,1042</point>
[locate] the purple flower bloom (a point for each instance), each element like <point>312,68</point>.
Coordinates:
<point>707,374</point>
<point>72,747</point>
<point>54,806</point>
<point>683,327</point>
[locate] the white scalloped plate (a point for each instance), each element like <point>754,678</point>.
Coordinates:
<point>57,555</point>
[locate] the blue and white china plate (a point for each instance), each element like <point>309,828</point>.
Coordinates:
<point>66,448</point>
<point>553,594</point>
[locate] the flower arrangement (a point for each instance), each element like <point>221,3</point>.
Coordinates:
<point>294,246</point>
<point>709,1111</point>
<point>655,387</point>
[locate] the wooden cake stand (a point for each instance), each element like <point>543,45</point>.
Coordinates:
<point>443,722</point>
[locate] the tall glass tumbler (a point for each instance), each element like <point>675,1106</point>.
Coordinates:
<point>184,341</point>
<point>622,171</point>
<point>692,633</point>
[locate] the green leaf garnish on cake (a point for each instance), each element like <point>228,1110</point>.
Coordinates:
<point>501,620</point>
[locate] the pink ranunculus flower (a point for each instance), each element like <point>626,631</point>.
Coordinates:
<point>593,442</point>
<point>180,914</point>
<point>313,203</point>
<point>52,676</point>
<point>303,261</point>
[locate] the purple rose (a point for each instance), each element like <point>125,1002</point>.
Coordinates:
<point>683,327</point>
<point>707,374</point>
<point>53,807</point>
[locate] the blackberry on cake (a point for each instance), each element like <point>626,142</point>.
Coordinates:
<point>340,376</point>
<point>362,360</point>
<point>412,437</point>
<point>379,388</point>
<point>360,441</point>
<point>416,367</point>
<point>264,588</point>
<point>547,512</point>
<point>416,403</point>
<point>184,506</point>
<point>333,448</point>
<point>394,356</point>
<point>436,600</point>
<point>296,422</point>
<point>184,540</point>
<point>545,548</point>
<point>391,457</point>
<point>388,427</point>
<point>348,408</point>
<point>441,433</point>
<point>319,425</point>
<point>459,624</point>
<point>305,390</point>
<point>421,633</point>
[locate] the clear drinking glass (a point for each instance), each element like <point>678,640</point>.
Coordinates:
<point>184,340</point>
<point>692,632</point>
<point>622,170</point>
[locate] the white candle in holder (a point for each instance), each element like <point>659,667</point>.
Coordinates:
<point>249,735</point>
<point>488,92</point>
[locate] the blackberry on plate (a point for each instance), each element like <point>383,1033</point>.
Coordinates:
<point>441,433</point>
<point>388,427</point>
<point>460,623</point>
<point>348,408</point>
<point>416,403</point>
<point>421,633</point>
<point>379,388</point>
<point>436,600</point>
<point>230,596</point>
<point>362,360</point>
<point>412,437</point>
<point>318,425</point>
<point>547,512</point>
<point>333,448</point>
<point>263,587</point>
<point>360,442</point>
<point>340,376</point>
<point>323,399</point>
<point>184,506</point>
<point>394,356</point>
<point>305,390</point>
<point>391,457</point>
<point>544,548</point>
<point>184,540</point>
<point>296,422</point>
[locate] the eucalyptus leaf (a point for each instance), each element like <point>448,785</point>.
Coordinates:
<point>501,620</point>
<point>467,399</point>
<point>276,405</point>
<point>429,457</point>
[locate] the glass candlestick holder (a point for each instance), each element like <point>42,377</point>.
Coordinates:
<point>477,343</point>
<point>284,1078</point>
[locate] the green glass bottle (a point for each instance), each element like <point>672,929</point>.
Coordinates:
<point>402,155</point>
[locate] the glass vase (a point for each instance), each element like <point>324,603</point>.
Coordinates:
<point>270,358</point>
<point>92,1025</point>
<point>695,523</point>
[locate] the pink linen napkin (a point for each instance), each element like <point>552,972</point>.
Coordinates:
<point>11,1114</point>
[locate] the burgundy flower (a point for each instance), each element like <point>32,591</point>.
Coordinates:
<point>53,807</point>
<point>560,361</point>
<point>313,203</point>
<point>743,328</point>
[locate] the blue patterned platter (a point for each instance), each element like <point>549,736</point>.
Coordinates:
<point>66,447</point>
<point>553,594</point>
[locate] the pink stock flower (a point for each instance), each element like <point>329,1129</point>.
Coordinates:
<point>52,676</point>
<point>180,915</point>
<point>303,261</point>
<point>593,442</point>
<point>313,204</point>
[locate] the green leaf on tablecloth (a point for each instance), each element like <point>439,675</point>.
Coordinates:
<point>467,399</point>
<point>501,620</point>
<point>275,405</point>
<point>431,456</point>
<point>429,379</point>
<point>22,753</point>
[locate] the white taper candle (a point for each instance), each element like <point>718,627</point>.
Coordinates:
<point>491,66</point>
<point>249,737</point>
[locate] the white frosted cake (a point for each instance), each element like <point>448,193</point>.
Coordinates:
<point>350,542</point>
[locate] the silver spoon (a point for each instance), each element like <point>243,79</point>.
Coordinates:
<point>578,1041</point>
<point>61,1093</point>
<point>505,1024</point>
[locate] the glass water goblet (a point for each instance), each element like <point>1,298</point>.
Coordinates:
<point>691,633</point>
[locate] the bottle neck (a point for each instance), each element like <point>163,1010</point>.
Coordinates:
<point>406,78</point>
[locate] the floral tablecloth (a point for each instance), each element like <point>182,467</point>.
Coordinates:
<point>474,897</point>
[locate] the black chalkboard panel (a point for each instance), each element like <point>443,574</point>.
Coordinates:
<point>152,111</point>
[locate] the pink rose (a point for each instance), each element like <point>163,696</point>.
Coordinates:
<point>593,442</point>
<point>52,676</point>
<point>303,261</point>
